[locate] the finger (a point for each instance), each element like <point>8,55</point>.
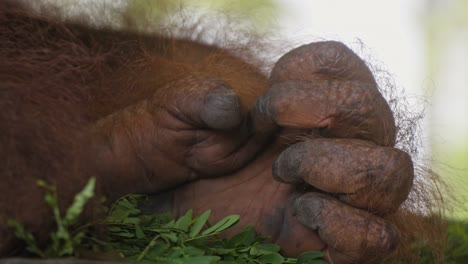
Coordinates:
<point>205,103</point>
<point>346,109</point>
<point>326,85</point>
<point>202,103</point>
<point>330,58</point>
<point>350,231</point>
<point>362,174</point>
<point>190,129</point>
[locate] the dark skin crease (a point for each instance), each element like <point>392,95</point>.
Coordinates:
<point>257,197</point>
<point>305,155</point>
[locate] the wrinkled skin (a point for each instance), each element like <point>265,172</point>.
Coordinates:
<point>305,155</point>
<point>282,191</point>
<point>270,190</point>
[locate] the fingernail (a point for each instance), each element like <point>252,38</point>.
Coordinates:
<point>222,108</point>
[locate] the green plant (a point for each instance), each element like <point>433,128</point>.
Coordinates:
<point>65,240</point>
<point>189,239</point>
<point>158,238</point>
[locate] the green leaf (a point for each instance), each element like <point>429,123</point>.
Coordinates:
<point>125,233</point>
<point>170,224</point>
<point>272,258</point>
<point>183,222</point>
<point>157,238</point>
<point>45,185</point>
<point>200,260</point>
<point>62,233</point>
<point>127,203</point>
<point>67,249</point>
<point>157,250</point>
<point>114,229</point>
<point>155,220</point>
<point>244,238</point>
<point>176,252</point>
<point>147,249</point>
<point>75,210</point>
<point>50,199</point>
<point>171,236</point>
<point>199,223</point>
<point>131,221</point>
<point>225,223</point>
<point>310,258</point>
<point>42,183</point>
<point>124,207</point>
<point>222,251</point>
<point>192,251</point>
<point>262,249</point>
<point>27,237</point>
<point>139,232</point>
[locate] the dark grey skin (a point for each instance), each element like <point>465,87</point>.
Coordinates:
<point>306,155</point>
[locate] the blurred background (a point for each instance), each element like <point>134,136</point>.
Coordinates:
<point>421,44</point>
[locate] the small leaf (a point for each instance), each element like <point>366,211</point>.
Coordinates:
<point>62,233</point>
<point>273,258</point>
<point>124,207</point>
<point>114,229</point>
<point>183,222</point>
<point>310,258</point>
<point>50,199</point>
<point>244,238</point>
<point>43,184</point>
<point>170,224</point>
<point>199,260</point>
<point>147,249</point>
<point>156,220</point>
<point>200,223</point>
<point>27,237</point>
<point>125,234</point>
<point>157,250</point>
<point>139,232</point>
<point>131,220</point>
<point>225,223</point>
<point>193,251</point>
<point>75,210</point>
<point>66,250</point>
<point>124,202</point>
<point>176,253</point>
<point>171,236</point>
<point>221,251</point>
<point>262,249</point>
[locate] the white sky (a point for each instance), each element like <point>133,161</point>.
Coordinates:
<point>389,29</point>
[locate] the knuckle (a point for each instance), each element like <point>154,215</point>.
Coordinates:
<point>369,235</point>
<point>387,190</point>
<point>381,237</point>
<point>331,51</point>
